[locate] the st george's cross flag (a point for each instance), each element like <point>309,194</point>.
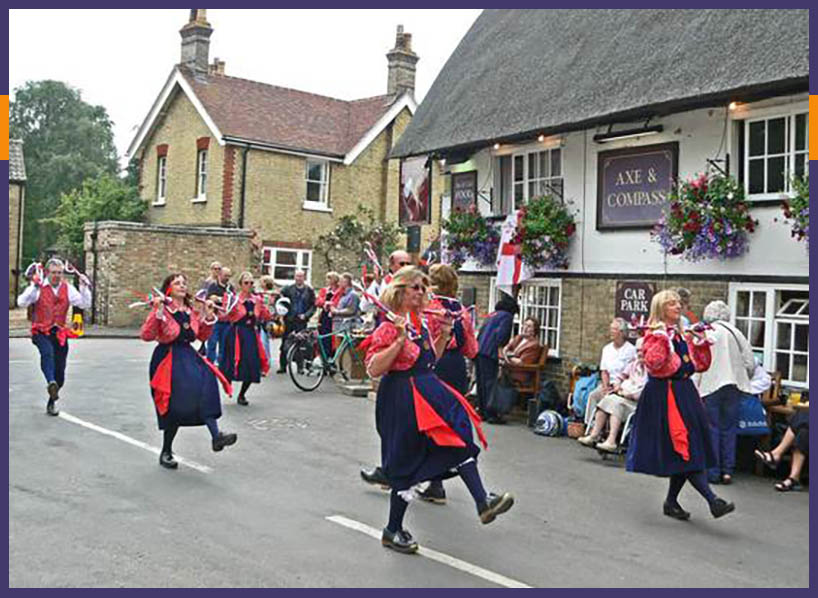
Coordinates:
<point>511,269</point>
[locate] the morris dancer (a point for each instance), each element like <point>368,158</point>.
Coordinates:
<point>671,434</point>
<point>51,298</point>
<point>244,356</point>
<point>184,385</point>
<point>424,424</point>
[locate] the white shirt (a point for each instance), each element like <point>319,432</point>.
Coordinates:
<point>731,360</point>
<point>81,299</point>
<point>614,361</point>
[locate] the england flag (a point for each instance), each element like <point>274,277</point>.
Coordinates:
<point>511,269</point>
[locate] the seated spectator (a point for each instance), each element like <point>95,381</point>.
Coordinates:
<point>761,380</point>
<point>619,404</point>
<point>797,438</point>
<point>616,356</point>
<point>346,315</point>
<point>722,385</point>
<point>523,349</point>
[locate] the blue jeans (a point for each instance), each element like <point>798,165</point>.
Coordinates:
<point>52,357</point>
<point>486,370</point>
<point>215,344</point>
<point>722,411</point>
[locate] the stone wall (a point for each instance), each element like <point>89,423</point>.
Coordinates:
<point>15,192</point>
<point>132,258</point>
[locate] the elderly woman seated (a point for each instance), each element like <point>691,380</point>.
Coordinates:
<point>619,404</point>
<point>616,357</point>
<point>523,349</point>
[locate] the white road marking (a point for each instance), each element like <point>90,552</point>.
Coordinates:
<point>133,441</point>
<point>434,555</point>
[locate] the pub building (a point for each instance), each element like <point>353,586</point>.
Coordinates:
<point>604,109</point>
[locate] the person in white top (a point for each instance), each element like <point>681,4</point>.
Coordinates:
<point>616,357</point>
<point>51,299</point>
<point>722,386</point>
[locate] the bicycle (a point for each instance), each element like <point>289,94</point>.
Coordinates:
<point>308,363</point>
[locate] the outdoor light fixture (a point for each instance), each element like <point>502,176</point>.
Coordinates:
<point>496,146</point>
<point>732,106</point>
<point>541,138</point>
<point>627,133</point>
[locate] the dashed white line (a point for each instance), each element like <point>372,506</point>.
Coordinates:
<point>434,555</point>
<point>132,441</point>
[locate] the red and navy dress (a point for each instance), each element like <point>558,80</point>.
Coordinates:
<point>671,434</point>
<point>451,367</point>
<point>425,425</point>
<point>184,384</point>
<point>244,356</point>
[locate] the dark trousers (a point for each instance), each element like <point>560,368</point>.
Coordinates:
<point>486,370</point>
<point>215,343</point>
<point>52,357</point>
<point>290,328</point>
<point>722,411</point>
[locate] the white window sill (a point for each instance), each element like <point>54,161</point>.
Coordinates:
<point>314,206</point>
<point>160,203</point>
<point>202,199</point>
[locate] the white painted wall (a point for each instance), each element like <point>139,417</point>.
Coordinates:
<point>699,133</point>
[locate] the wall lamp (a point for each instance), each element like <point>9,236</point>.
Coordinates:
<point>627,133</point>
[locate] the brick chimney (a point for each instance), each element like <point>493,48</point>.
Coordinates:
<point>196,41</point>
<point>217,68</point>
<point>402,65</point>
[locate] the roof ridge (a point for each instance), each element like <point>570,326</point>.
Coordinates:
<point>309,93</point>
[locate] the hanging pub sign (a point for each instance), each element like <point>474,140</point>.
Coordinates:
<point>633,299</point>
<point>633,185</point>
<point>464,190</point>
<point>415,193</point>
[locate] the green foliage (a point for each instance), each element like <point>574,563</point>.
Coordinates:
<point>342,247</point>
<point>796,210</point>
<point>65,141</point>
<point>470,235</point>
<point>545,229</point>
<point>102,198</point>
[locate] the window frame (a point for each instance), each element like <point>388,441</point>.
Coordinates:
<point>323,204</point>
<point>270,267</point>
<point>526,310</point>
<point>161,181</point>
<point>772,319</point>
<point>200,192</point>
<point>527,180</point>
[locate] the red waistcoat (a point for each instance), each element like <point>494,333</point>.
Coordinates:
<point>51,309</point>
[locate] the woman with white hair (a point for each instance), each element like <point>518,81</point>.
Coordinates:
<point>722,385</point>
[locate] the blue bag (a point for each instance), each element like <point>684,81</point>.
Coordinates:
<point>752,419</point>
<point>582,389</point>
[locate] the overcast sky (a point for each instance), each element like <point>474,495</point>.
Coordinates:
<point>120,58</point>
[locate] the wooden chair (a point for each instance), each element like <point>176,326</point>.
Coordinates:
<point>534,373</point>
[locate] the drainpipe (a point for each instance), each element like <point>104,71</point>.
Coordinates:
<point>96,282</point>
<point>17,264</point>
<point>243,184</point>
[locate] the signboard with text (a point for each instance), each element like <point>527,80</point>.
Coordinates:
<point>633,185</point>
<point>633,299</point>
<point>464,190</point>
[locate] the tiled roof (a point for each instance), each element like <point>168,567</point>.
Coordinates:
<point>17,166</point>
<point>285,118</point>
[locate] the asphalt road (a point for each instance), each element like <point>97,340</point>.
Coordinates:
<point>90,509</point>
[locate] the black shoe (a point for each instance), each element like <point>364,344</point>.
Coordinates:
<point>242,400</point>
<point>376,477</point>
<point>496,504</point>
<point>675,511</point>
<point>720,507</point>
<point>51,408</point>
<point>223,440</point>
<point>53,391</point>
<point>434,493</point>
<point>401,541</point>
<point>167,461</point>
<point>281,371</point>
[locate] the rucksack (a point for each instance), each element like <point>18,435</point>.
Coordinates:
<point>582,389</point>
<point>549,423</point>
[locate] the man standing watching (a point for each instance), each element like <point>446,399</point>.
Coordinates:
<point>51,299</point>
<point>217,292</point>
<point>302,307</point>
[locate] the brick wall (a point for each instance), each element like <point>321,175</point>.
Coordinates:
<point>14,219</point>
<point>132,258</point>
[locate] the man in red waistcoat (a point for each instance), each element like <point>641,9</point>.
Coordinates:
<point>51,299</point>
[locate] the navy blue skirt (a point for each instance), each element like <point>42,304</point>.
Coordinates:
<point>408,456</point>
<point>650,447</point>
<point>194,394</point>
<point>249,367</point>
<point>451,368</point>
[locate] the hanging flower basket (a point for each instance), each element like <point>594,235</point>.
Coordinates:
<point>544,230</point>
<point>796,210</point>
<point>707,218</point>
<point>470,235</point>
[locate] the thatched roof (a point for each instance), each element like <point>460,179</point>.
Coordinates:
<point>518,73</point>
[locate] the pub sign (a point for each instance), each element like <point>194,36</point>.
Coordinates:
<point>633,299</point>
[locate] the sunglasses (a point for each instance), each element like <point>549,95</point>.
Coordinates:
<point>402,264</point>
<point>418,287</point>
<point>246,282</point>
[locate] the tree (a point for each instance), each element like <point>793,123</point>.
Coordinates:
<point>105,197</point>
<point>342,247</point>
<point>66,141</point>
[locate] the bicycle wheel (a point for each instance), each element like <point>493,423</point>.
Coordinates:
<point>304,364</point>
<point>350,367</point>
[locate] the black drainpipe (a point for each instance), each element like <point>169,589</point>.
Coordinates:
<point>19,241</point>
<point>243,182</point>
<point>95,285</point>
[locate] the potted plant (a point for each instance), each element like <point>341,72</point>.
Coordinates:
<point>796,210</point>
<point>470,235</point>
<point>544,230</point>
